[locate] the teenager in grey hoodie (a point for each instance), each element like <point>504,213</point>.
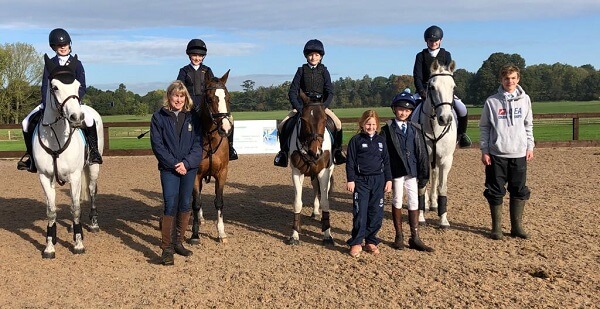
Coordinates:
<point>506,144</point>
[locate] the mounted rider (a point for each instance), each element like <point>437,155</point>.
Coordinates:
<point>60,41</point>
<point>421,73</point>
<point>314,80</point>
<point>194,77</point>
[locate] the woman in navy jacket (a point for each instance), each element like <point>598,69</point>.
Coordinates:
<point>176,139</point>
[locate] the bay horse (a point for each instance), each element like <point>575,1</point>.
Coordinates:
<point>311,155</point>
<point>59,151</point>
<point>438,123</point>
<point>217,126</point>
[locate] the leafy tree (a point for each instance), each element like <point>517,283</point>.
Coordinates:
<point>486,80</point>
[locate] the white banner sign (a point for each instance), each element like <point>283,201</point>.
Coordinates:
<point>255,136</point>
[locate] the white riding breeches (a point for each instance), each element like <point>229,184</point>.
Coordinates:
<point>459,106</point>
<point>89,120</point>
<point>411,186</point>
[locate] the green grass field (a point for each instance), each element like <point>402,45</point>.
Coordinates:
<point>544,129</point>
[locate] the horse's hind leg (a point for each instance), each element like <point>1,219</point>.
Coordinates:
<point>94,170</point>
<point>219,186</point>
<point>78,247</point>
<point>316,203</point>
<point>442,199</point>
<point>49,252</point>
<point>196,211</point>
<point>324,183</point>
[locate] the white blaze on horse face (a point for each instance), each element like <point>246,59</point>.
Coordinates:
<point>222,108</point>
<point>67,95</point>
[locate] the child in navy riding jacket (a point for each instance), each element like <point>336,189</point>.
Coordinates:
<point>409,163</point>
<point>369,177</point>
<point>176,139</point>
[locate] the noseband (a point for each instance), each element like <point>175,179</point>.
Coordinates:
<point>60,105</point>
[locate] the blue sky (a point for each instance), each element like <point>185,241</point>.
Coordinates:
<point>141,43</point>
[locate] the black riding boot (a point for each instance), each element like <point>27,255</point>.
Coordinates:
<point>338,154</point>
<point>232,153</point>
<point>27,164</point>
<point>463,139</point>
<point>281,159</point>
<point>91,136</point>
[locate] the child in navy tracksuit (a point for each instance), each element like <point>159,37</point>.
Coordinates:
<point>409,163</point>
<point>176,139</point>
<point>369,176</point>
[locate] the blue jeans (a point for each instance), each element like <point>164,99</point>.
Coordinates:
<point>177,190</point>
<point>367,210</point>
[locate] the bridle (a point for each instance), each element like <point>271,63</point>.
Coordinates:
<point>305,139</point>
<point>217,118</point>
<point>61,116</point>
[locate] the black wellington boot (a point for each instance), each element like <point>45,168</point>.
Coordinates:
<point>516,218</point>
<point>496,211</point>
<point>91,136</point>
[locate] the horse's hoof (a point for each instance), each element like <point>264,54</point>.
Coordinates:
<point>48,255</point>
<point>432,208</point>
<point>94,229</point>
<point>444,227</point>
<point>328,241</point>
<point>70,229</point>
<point>194,241</point>
<point>422,223</point>
<point>223,240</point>
<point>79,251</point>
<point>293,242</point>
<point>315,216</point>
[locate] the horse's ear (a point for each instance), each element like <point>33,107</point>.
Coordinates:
<point>304,97</point>
<point>225,76</point>
<point>48,63</point>
<point>452,66</point>
<point>73,64</point>
<point>435,65</point>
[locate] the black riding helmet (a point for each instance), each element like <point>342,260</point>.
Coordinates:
<point>59,36</point>
<point>433,33</point>
<point>314,46</point>
<point>196,46</point>
<point>404,99</point>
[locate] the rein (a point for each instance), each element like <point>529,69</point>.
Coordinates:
<point>302,142</point>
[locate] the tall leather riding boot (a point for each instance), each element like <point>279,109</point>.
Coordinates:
<point>397,218</point>
<point>461,133</point>
<point>281,159</point>
<point>496,211</point>
<point>516,218</point>
<point>166,245</point>
<point>232,153</point>
<point>27,164</point>
<point>414,242</point>
<point>183,220</point>
<point>91,136</point>
<point>338,154</point>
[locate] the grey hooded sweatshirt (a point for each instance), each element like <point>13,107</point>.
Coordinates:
<point>506,124</point>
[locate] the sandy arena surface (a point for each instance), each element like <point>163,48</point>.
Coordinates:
<point>557,268</point>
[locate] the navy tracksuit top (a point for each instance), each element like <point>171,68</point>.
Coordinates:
<point>367,156</point>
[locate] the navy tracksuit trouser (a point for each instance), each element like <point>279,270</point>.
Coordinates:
<point>367,209</point>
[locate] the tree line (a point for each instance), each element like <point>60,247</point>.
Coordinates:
<point>21,69</point>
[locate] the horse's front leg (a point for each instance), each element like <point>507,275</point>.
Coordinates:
<point>75,181</point>
<point>433,192</point>
<point>94,170</point>
<point>442,198</point>
<point>196,211</point>
<point>297,180</point>
<point>316,202</point>
<point>324,186</point>
<point>421,197</point>
<point>49,190</point>
<point>219,187</point>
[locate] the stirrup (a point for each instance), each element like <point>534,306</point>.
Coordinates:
<point>339,157</point>
<point>232,154</point>
<point>281,159</point>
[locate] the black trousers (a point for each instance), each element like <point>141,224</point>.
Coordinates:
<point>509,172</point>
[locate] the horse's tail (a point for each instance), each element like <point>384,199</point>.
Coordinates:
<point>85,183</point>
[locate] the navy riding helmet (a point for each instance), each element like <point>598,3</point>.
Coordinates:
<point>404,99</point>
